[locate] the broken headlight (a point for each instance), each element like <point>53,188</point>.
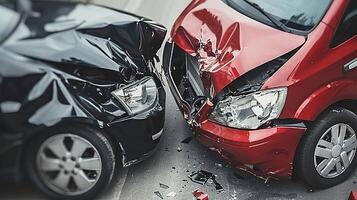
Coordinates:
<point>250,111</point>
<point>138,96</point>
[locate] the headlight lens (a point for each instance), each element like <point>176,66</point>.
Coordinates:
<point>138,96</point>
<point>250,111</point>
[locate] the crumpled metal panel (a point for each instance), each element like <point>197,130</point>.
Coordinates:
<point>77,35</point>
<point>227,43</point>
<point>64,62</point>
<point>42,96</point>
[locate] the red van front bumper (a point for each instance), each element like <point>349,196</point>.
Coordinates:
<point>266,152</point>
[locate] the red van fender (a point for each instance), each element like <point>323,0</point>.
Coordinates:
<point>324,97</point>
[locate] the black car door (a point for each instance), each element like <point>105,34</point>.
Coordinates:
<point>10,140</point>
<point>10,105</point>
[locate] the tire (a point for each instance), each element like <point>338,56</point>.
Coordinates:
<point>82,174</point>
<point>315,157</point>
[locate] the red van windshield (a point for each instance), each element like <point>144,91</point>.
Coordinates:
<point>301,15</point>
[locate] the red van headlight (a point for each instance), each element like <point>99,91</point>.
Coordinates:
<point>250,111</point>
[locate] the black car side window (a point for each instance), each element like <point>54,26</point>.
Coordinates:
<point>348,25</point>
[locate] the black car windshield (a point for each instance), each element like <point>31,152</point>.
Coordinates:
<point>301,15</point>
<point>8,19</point>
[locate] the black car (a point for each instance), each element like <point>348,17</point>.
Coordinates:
<point>79,94</point>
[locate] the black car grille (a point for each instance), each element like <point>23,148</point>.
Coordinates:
<point>183,70</point>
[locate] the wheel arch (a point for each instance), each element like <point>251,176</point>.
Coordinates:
<point>70,121</point>
<point>339,93</point>
<point>349,104</point>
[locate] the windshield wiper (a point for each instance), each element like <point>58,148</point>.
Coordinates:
<point>273,20</point>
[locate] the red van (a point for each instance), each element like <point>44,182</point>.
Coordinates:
<point>270,85</point>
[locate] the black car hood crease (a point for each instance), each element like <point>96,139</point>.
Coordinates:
<point>84,35</point>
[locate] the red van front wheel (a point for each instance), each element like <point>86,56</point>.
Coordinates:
<point>327,153</point>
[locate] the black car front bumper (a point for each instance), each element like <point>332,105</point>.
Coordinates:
<point>139,135</point>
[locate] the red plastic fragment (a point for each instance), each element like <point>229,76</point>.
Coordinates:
<point>200,195</point>
<point>353,195</point>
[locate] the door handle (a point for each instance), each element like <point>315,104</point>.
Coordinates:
<point>349,66</point>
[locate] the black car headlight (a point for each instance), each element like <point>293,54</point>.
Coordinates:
<point>138,96</point>
<point>250,111</point>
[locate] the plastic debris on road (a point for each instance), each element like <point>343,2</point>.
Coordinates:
<point>200,195</point>
<point>202,177</point>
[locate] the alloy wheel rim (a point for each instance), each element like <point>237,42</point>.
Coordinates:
<point>335,151</point>
<point>69,164</point>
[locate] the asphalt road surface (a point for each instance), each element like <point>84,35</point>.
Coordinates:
<point>170,167</point>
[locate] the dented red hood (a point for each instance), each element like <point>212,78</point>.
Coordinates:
<point>228,43</point>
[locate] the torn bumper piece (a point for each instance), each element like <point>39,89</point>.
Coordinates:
<point>200,195</point>
<point>265,152</point>
<point>353,195</point>
<point>139,135</point>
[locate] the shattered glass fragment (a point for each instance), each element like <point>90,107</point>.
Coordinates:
<point>164,186</point>
<point>171,194</point>
<point>159,194</point>
<point>234,195</point>
<point>218,186</point>
<point>202,177</point>
<point>218,165</point>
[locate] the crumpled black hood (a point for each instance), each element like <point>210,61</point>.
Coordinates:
<point>75,35</point>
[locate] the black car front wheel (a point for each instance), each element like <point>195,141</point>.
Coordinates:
<point>71,163</point>
<point>327,153</point>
